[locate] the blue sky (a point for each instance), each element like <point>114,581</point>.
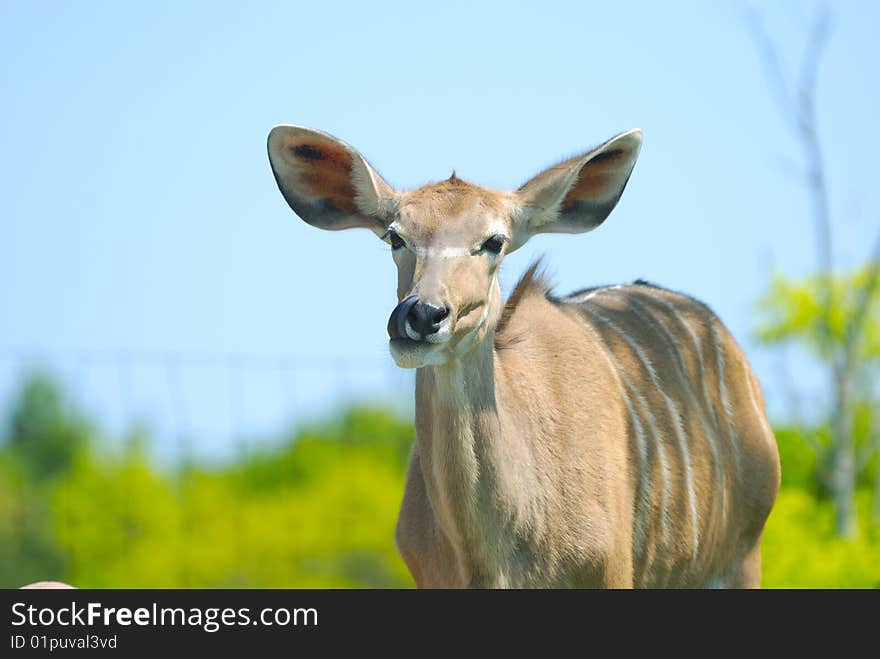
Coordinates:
<point>138,211</point>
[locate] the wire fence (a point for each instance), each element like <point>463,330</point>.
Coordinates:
<point>195,407</point>
<point>207,404</point>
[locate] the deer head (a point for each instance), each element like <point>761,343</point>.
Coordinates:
<point>447,239</point>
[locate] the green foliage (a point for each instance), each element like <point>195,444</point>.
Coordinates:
<point>318,510</point>
<point>28,551</point>
<point>800,462</point>
<point>805,451</point>
<point>791,311</point>
<point>43,432</point>
<point>846,341</point>
<point>305,456</point>
<point>800,548</point>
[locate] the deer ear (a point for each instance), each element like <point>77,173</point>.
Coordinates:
<point>578,194</point>
<point>327,182</point>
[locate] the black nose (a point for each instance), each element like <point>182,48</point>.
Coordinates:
<point>426,318</point>
<point>423,318</point>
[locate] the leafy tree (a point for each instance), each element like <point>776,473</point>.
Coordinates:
<point>819,308</point>
<point>317,509</point>
<point>42,439</point>
<point>792,312</point>
<point>43,430</point>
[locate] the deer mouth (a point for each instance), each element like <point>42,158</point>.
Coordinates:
<point>413,354</point>
<point>405,343</point>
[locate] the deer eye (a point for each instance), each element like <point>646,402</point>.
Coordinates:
<point>493,245</point>
<point>394,239</point>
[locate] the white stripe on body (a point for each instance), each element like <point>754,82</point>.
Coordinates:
<point>674,414</point>
<point>725,399</point>
<point>641,441</point>
<point>697,347</point>
<point>644,314</point>
<point>578,298</point>
<point>640,533</point>
<point>645,409</point>
<point>719,365</point>
<point>661,451</point>
<point>759,413</point>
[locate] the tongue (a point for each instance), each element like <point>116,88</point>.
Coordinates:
<point>397,321</point>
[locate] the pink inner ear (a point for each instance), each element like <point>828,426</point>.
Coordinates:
<point>323,172</point>
<point>598,179</point>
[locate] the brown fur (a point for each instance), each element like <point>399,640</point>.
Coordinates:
<point>614,439</point>
<point>590,185</point>
<point>532,282</point>
<point>327,176</point>
<point>728,541</point>
<point>451,197</point>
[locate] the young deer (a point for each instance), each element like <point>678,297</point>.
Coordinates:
<point>615,437</point>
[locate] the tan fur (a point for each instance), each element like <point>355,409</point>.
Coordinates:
<point>572,455</point>
<point>614,438</point>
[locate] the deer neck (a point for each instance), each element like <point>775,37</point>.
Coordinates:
<point>472,474</point>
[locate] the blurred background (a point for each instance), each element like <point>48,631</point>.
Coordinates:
<point>179,407</point>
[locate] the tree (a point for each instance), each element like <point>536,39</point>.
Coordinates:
<point>791,312</point>
<point>42,440</point>
<point>42,431</point>
<point>838,330</point>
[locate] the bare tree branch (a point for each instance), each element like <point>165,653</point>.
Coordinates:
<point>770,60</point>
<point>816,178</point>
<point>810,69</point>
<point>799,110</point>
<point>856,327</point>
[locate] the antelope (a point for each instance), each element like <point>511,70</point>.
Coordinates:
<point>615,437</point>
